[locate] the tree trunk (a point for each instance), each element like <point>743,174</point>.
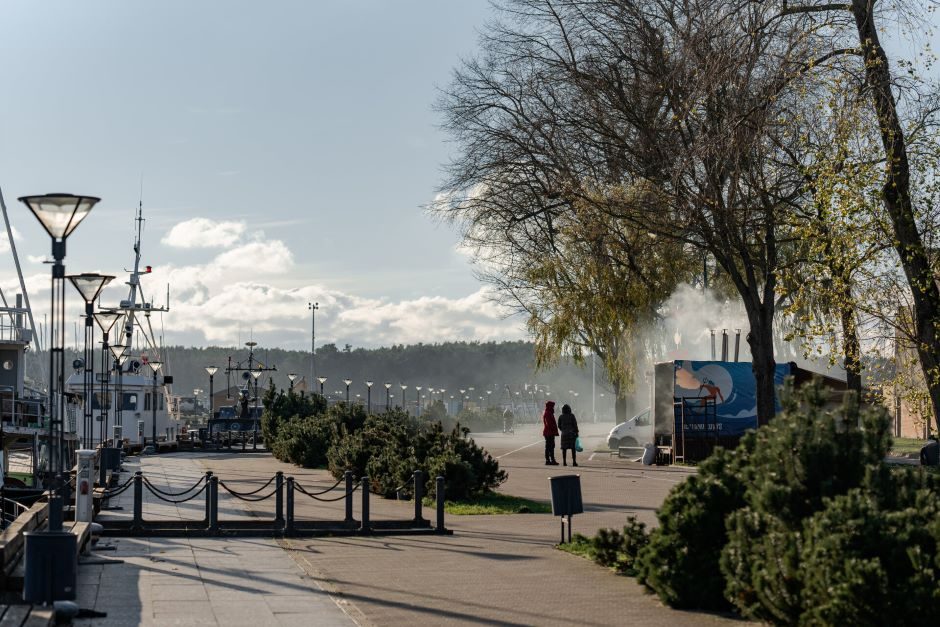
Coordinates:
<point>763,364</point>
<point>620,404</point>
<point>897,199</point>
<point>852,350</point>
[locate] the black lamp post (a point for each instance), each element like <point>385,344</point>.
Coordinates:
<point>404,401</point>
<point>388,398</point>
<point>347,382</point>
<point>117,353</point>
<point>155,368</point>
<point>105,320</point>
<point>369,385</point>
<point>291,377</point>
<point>322,380</point>
<point>59,215</point>
<point>418,400</point>
<point>89,286</point>
<point>211,370</point>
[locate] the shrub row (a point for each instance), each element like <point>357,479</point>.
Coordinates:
<point>387,447</point>
<point>803,523</point>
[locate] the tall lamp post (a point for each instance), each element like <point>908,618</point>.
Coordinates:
<point>404,401</point>
<point>256,374</point>
<point>117,364</point>
<point>388,398</point>
<point>89,286</point>
<point>313,307</point>
<point>291,378</point>
<point>155,368</point>
<point>322,380</point>
<point>105,320</point>
<point>211,370</point>
<point>369,385</point>
<point>347,382</point>
<point>59,215</point>
<point>418,400</point>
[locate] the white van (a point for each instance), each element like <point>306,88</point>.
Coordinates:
<point>635,432</point>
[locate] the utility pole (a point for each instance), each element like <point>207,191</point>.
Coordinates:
<point>313,307</point>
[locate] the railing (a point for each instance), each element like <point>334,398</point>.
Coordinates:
<point>285,492</point>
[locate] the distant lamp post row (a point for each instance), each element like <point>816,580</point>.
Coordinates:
<point>59,215</point>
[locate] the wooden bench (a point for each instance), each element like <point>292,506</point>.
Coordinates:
<point>12,544</point>
<point>26,616</point>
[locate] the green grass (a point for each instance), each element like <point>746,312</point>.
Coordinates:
<point>579,545</point>
<point>496,503</point>
<point>906,446</point>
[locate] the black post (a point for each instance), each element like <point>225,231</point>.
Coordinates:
<point>208,496</point>
<point>349,495</point>
<point>364,525</point>
<point>243,441</point>
<point>419,497</point>
<point>138,500</point>
<point>55,513</point>
<point>289,529</point>
<point>279,497</point>
<point>439,492</point>
<point>214,504</point>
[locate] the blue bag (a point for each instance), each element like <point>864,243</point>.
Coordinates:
<point>577,445</point>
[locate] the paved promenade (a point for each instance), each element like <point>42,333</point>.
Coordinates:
<point>223,582</point>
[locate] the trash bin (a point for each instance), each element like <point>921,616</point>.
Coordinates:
<point>51,566</point>
<point>566,495</point>
<point>111,458</point>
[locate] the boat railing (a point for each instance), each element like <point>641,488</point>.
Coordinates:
<point>20,412</point>
<point>9,330</point>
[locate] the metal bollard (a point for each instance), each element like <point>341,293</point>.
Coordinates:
<point>55,513</point>
<point>208,496</point>
<point>243,442</point>
<point>364,525</point>
<point>214,504</point>
<point>279,497</point>
<point>419,497</point>
<point>349,495</point>
<point>440,505</point>
<point>138,500</point>
<point>254,439</point>
<point>289,528</point>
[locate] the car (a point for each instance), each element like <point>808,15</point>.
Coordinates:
<point>632,433</point>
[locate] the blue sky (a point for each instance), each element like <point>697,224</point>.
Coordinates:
<point>307,124</point>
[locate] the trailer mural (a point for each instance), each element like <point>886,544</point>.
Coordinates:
<point>730,386</point>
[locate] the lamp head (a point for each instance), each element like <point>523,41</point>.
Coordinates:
<point>155,365</point>
<point>89,285</point>
<point>60,214</point>
<point>292,376</point>
<point>106,320</point>
<point>212,370</point>
<point>369,384</point>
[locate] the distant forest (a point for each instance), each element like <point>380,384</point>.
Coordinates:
<point>452,366</point>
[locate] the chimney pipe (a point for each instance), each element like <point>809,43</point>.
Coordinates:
<point>712,331</point>
<point>737,344</point>
<point>724,345</point>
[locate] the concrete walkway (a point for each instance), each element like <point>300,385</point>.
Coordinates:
<point>219,581</point>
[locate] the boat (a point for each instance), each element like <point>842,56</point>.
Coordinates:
<point>131,402</point>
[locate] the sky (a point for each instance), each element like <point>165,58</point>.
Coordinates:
<point>285,152</point>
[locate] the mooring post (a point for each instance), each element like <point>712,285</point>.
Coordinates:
<point>208,495</point>
<point>364,525</point>
<point>290,506</point>
<point>138,500</point>
<point>279,497</point>
<point>439,493</point>
<point>214,507</point>
<point>349,495</point>
<point>244,439</point>
<point>419,497</point>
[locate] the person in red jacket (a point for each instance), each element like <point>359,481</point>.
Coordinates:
<point>549,431</point>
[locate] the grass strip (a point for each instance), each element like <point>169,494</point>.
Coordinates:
<point>496,503</point>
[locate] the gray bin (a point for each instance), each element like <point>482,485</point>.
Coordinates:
<point>566,495</point>
<point>51,560</point>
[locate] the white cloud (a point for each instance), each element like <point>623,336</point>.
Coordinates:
<point>269,257</point>
<point>204,233</point>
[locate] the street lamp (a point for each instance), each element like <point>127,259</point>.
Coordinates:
<point>388,398</point>
<point>369,385</point>
<point>313,307</point>
<point>89,286</point>
<point>322,380</point>
<point>59,215</point>
<point>211,370</point>
<point>155,367</point>
<point>347,382</point>
<point>291,378</point>
<point>418,400</point>
<point>117,352</point>
<point>404,402</point>
<point>105,320</point>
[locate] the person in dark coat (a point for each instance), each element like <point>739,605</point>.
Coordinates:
<point>568,425</point>
<point>549,432</point>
